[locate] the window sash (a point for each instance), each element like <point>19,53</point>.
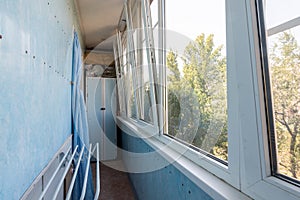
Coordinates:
<point>229,173</point>
<point>248,167</point>
<point>257,179</point>
<point>264,33</point>
<point>132,55</point>
<point>131,59</point>
<point>147,26</point>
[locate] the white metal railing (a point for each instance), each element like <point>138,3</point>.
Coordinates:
<point>74,176</point>
<point>67,162</point>
<point>97,174</point>
<point>86,175</point>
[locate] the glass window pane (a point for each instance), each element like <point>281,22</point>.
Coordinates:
<point>155,30</point>
<point>147,112</point>
<point>154,13</point>
<point>284,62</point>
<point>196,74</point>
<point>286,9</point>
<point>130,98</point>
<point>144,84</point>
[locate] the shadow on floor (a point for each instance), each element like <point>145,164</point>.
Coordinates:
<point>115,185</point>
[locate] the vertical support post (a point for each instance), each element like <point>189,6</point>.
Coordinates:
<point>163,97</point>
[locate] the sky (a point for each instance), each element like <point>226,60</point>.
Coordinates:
<point>189,18</point>
<point>193,17</point>
<point>185,20</point>
<point>280,11</point>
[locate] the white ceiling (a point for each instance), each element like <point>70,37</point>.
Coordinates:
<point>99,20</point>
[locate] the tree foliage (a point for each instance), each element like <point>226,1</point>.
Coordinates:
<point>173,93</point>
<point>285,75</point>
<point>197,100</point>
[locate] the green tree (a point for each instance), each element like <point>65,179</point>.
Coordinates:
<point>201,92</point>
<point>285,61</point>
<point>205,73</point>
<point>174,89</point>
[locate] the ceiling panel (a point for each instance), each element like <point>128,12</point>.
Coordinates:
<point>99,20</point>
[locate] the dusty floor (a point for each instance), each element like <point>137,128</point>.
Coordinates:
<point>115,184</point>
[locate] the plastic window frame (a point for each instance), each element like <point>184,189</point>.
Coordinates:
<point>257,179</point>
<point>228,173</point>
<point>131,55</point>
<point>126,70</point>
<point>264,34</point>
<point>248,157</point>
<point>129,40</point>
<point>146,14</point>
<point>135,56</point>
<point>121,78</point>
<point>118,75</point>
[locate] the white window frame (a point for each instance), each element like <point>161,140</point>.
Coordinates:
<point>131,56</point>
<point>127,73</point>
<point>120,90</point>
<point>257,180</point>
<point>228,173</point>
<point>248,167</point>
<point>147,27</point>
<point>120,78</point>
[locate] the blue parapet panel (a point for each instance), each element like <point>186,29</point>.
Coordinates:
<point>35,90</point>
<point>161,183</point>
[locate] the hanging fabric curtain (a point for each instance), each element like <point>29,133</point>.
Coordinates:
<point>79,124</point>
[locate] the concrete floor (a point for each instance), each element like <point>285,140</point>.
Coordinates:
<point>115,185</point>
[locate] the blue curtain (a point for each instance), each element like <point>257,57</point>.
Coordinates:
<point>79,124</point>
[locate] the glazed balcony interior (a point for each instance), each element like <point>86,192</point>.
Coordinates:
<point>149,99</point>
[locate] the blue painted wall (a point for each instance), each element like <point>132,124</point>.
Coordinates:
<point>35,92</point>
<point>165,183</point>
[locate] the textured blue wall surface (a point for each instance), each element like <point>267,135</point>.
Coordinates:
<point>165,183</point>
<point>35,91</point>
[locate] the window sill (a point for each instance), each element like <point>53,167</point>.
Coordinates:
<point>273,188</point>
<point>209,183</point>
